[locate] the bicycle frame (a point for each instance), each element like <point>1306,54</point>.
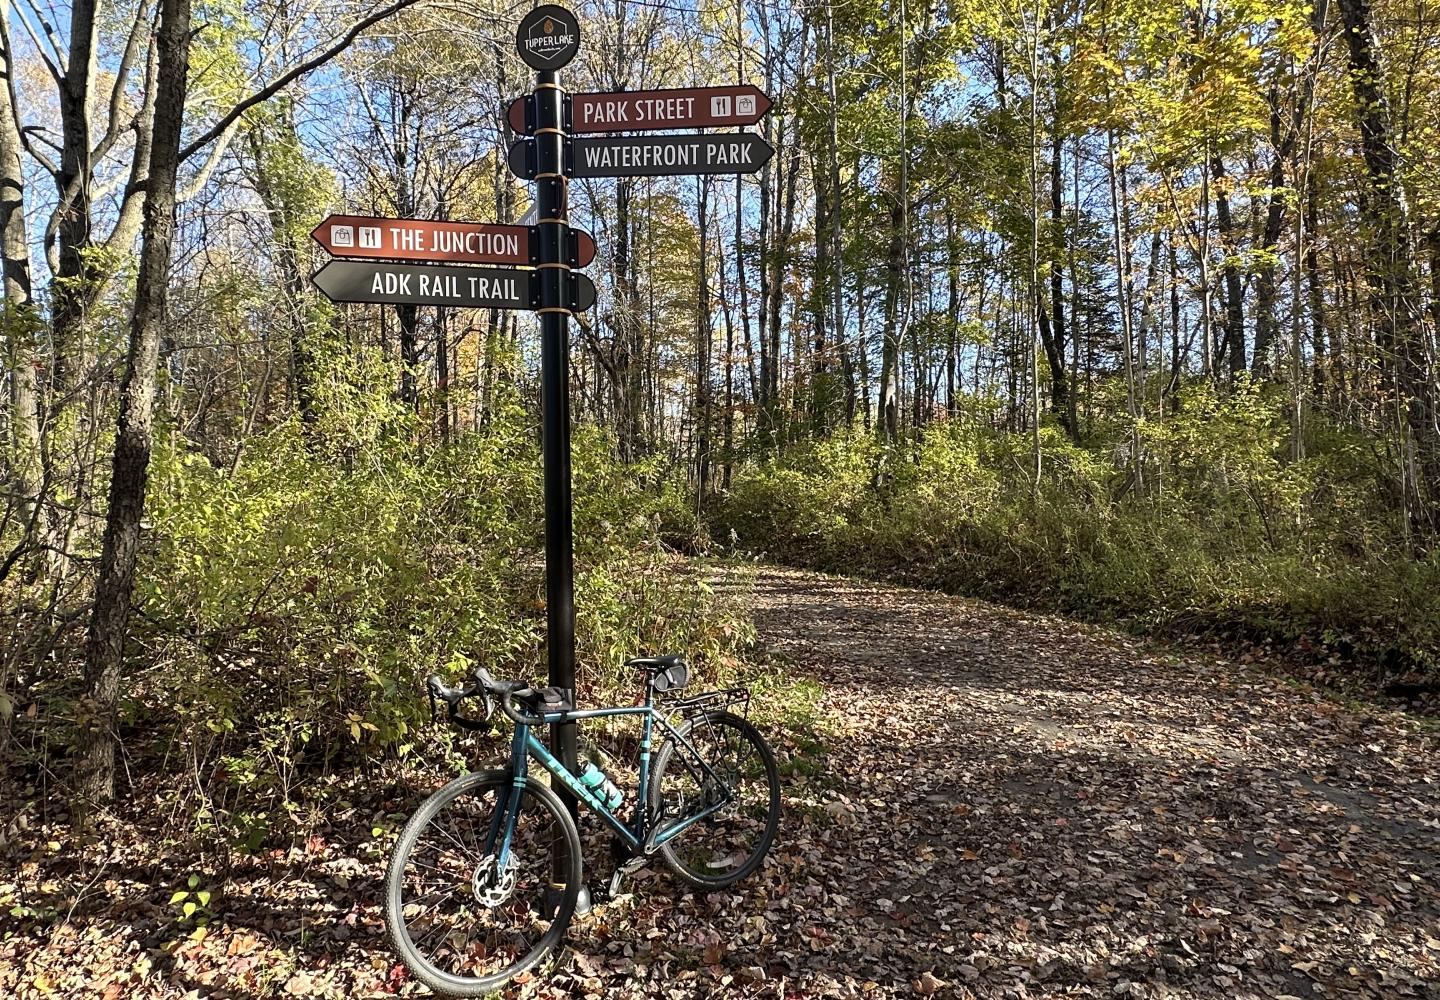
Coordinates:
<point>637,835</point>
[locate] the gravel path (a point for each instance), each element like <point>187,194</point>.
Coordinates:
<point>1028,807</point>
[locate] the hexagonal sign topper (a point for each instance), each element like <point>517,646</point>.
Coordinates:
<point>548,37</point>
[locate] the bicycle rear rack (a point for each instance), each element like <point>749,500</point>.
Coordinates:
<point>711,701</point>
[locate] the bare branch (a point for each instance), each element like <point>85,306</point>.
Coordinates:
<point>117,92</point>
<point>56,66</point>
<point>198,182</point>
<point>290,76</point>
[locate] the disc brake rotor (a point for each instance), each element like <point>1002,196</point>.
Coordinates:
<point>492,891</point>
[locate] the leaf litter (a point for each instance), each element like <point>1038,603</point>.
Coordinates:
<point>980,802</point>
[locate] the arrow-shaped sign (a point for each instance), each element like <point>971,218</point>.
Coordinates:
<point>657,155</point>
<point>438,285</point>
<point>651,156</point>
<point>652,110</point>
<point>430,239</point>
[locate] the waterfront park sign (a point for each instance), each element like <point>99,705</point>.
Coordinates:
<point>485,265</point>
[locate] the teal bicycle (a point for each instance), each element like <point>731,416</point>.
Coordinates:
<point>486,875</point>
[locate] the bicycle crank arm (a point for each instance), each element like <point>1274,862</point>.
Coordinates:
<point>634,864</point>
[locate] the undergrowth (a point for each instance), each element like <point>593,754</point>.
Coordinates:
<point>1221,531</point>
<point>289,603</point>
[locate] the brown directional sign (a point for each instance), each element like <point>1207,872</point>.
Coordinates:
<point>651,110</point>
<point>382,283</point>
<point>427,239</point>
<point>658,155</point>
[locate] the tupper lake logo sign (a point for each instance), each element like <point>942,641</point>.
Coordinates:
<point>549,37</point>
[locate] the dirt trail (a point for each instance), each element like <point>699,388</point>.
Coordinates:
<point>1033,808</point>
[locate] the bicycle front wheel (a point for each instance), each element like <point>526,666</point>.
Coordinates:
<point>466,912</point>
<point>738,798</point>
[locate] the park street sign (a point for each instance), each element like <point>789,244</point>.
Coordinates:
<point>652,156</point>
<point>437,285</point>
<point>650,110</point>
<point>447,242</point>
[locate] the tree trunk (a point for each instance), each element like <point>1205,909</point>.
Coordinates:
<point>1265,289</point>
<point>625,387</point>
<point>702,350</point>
<point>1433,243</point>
<point>1055,343</point>
<point>105,642</point>
<point>1315,290</point>
<point>952,313</point>
<point>73,182</point>
<point>888,422</point>
<point>1390,276</point>
<point>779,263</point>
<point>1234,292</point>
<point>409,320</point>
<point>822,294</point>
<point>1121,235</point>
<point>20,321</point>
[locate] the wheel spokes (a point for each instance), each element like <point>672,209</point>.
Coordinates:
<point>466,914</point>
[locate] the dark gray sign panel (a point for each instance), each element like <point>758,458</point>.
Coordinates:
<point>659,155</point>
<point>582,293</point>
<point>380,283</point>
<point>424,285</point>
<point>548,37</point>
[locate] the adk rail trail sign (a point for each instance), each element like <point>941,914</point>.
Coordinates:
<point>382,283</point>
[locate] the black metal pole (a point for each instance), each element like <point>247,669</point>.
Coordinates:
<point>552,209</point>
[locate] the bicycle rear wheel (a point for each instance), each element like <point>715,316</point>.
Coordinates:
<point>732,841</point>
<point>464,922</point>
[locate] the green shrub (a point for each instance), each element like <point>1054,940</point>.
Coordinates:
<point>290,606</point>
<point>1223,529</point>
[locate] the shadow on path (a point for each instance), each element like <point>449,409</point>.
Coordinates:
<point>1024,806</point>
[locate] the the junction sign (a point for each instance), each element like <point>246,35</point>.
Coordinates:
<point>433,240</point>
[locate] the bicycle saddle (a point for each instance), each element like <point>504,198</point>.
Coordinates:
<point>654,663</point>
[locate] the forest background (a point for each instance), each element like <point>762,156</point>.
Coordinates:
<point>1127,310</point>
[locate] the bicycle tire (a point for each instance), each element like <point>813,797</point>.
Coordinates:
<point>419,965</point>
<point>663,761</point>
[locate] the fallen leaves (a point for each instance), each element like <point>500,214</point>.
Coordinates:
<point>964,818</point>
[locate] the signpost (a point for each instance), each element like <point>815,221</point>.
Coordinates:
<point>433,240</point>
<point>547,39</point>
<point>649,110</point>
<point>548,250</point>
